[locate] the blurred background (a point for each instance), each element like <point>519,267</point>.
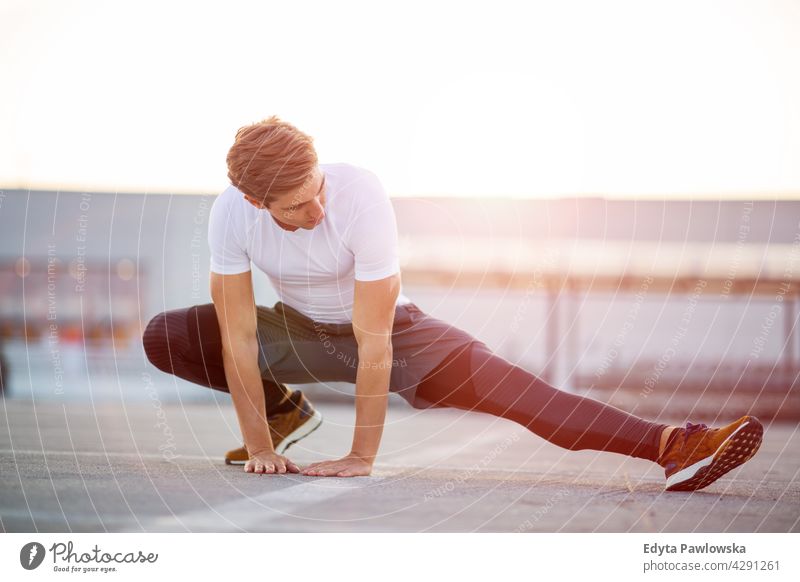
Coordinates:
<point>607,194</point>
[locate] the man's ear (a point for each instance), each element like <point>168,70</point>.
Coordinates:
<point>256,204</point>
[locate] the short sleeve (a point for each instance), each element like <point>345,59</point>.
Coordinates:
<point>372,233</point>
<point>228,256</point>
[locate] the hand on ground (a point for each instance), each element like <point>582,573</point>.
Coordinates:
<point>270,462</point>
<point>350,466</point>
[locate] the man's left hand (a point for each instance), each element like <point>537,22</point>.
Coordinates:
<point>350,466</point>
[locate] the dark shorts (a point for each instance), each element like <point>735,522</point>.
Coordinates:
<point>295,349</point>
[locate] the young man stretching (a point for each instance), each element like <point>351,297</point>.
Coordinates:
<point>326,237</point>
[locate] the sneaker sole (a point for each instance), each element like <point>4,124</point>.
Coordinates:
<point>738,448</point>
<point>299,433</point>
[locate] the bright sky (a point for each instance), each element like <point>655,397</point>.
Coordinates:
<point>563,98</point>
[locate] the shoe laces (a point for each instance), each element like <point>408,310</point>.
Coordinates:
<point>692,429</point>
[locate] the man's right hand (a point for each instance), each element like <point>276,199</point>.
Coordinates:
<point>270,462</point>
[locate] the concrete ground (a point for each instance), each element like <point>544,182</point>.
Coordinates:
<point>153,467</point>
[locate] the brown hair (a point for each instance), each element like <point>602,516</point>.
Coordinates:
<point>270,158</point>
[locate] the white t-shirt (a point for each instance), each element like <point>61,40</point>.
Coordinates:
<point>314,270</point>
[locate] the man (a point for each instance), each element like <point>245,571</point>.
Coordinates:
<point>326,237</point>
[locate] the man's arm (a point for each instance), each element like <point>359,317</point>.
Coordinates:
<point>373,319</point>
<point>236,312</point>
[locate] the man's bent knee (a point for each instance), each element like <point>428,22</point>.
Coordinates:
<point>164,340</point>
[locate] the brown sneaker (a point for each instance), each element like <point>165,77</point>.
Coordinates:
<point>285,428</point>
<point>696,456</point>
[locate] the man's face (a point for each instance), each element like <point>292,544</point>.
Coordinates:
<point>303,208</point>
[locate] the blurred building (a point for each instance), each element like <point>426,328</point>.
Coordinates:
<point>662,307</point>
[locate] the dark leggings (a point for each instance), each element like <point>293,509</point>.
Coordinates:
<point>186,342</point>
<point>474,378</point>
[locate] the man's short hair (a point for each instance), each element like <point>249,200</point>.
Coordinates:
<point>270,158</point>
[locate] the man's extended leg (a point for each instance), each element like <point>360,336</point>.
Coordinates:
<point>477,379</point>
<point>474,378</point>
